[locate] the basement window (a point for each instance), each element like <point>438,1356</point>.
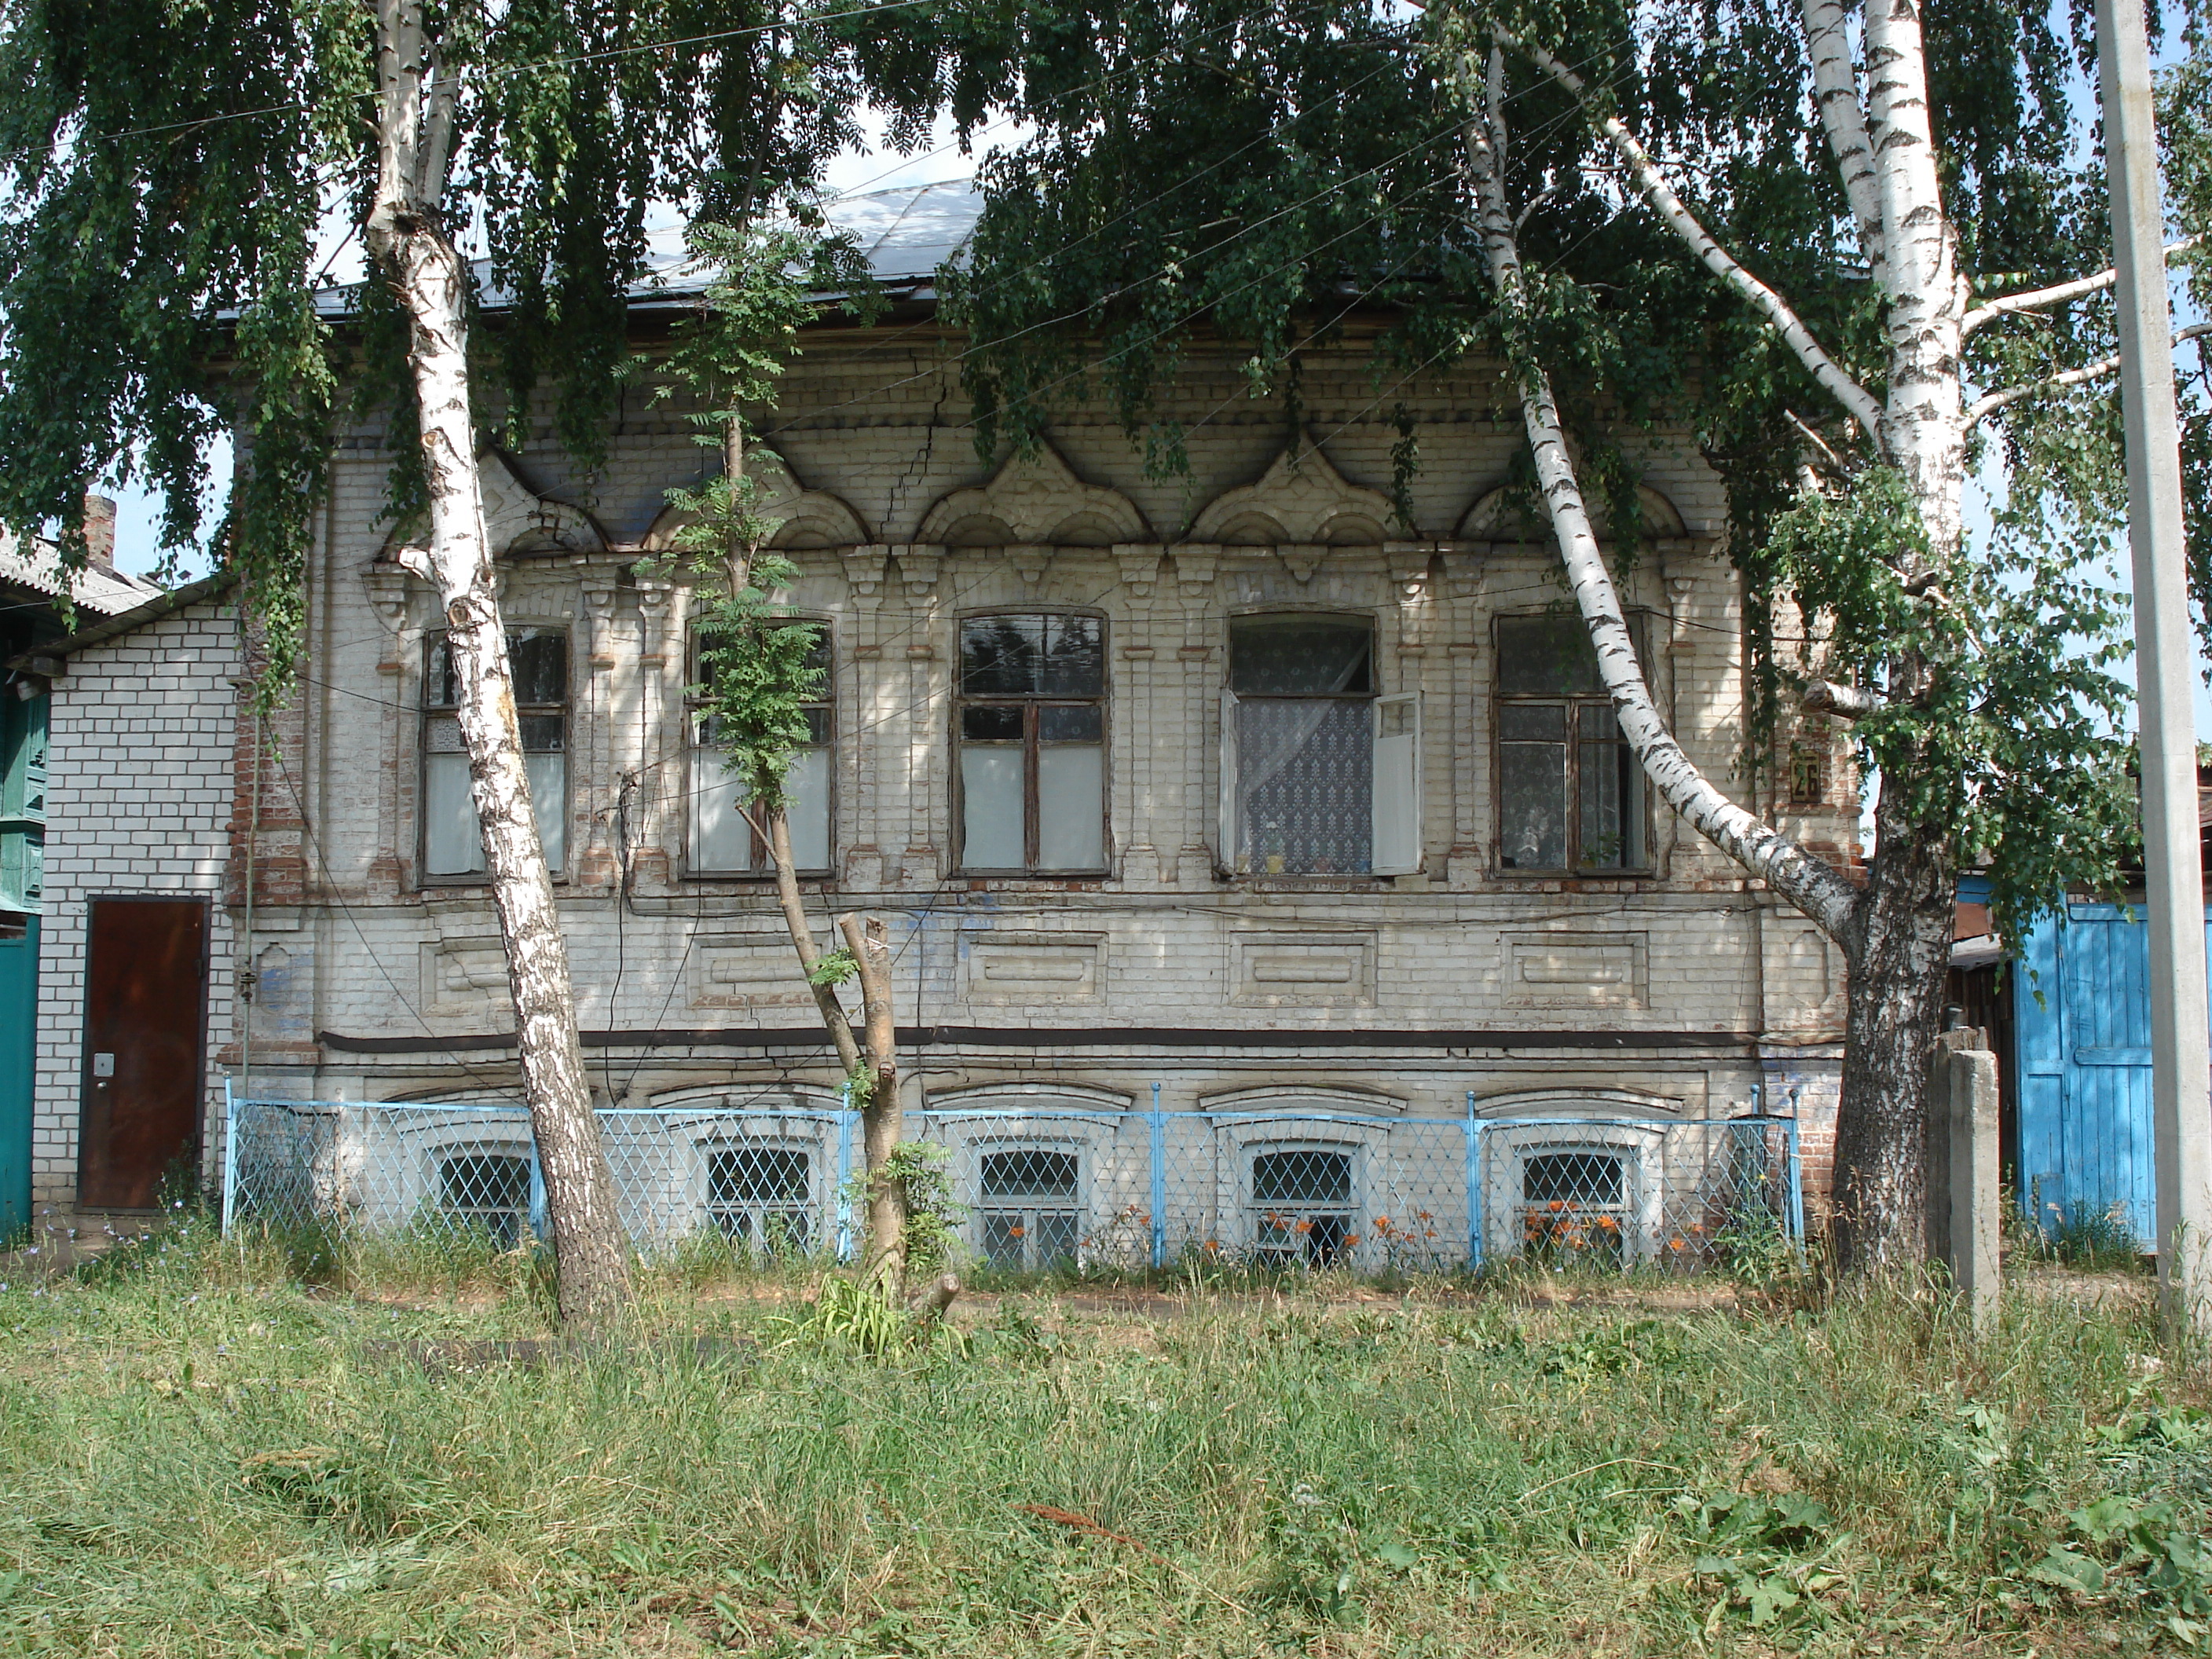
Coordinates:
<point>1029,1218</point>
<point>487,1193</point>
<point>453,842</point>
<point>1569,791</point>
<point>1302,1209</point>
<point>761,1196</point>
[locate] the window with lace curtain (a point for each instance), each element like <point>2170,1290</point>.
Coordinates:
<point>453,842</point>
<point>1569,791</point>
<point>1320,773</point>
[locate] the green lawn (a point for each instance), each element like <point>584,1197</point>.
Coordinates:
<point>201,1457</point>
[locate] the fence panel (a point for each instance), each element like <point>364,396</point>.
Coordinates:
<point>1047,1188</point>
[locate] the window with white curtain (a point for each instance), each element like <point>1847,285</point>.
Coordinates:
<point>1032,742</point>
<point>452,842</point>
<point>1320,774</point>
<point>724,839</point>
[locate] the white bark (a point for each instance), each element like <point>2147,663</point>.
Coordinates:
<point>1856,400</point>
<point>1923,428</point>
<point>1810,884</point>
<point>1990,403</point>
<point>1843,115</point>
<point>406,236</point>
<point>1848,702</point>
<point>2013,305</point>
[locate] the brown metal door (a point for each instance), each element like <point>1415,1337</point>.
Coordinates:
<point>144,997</point>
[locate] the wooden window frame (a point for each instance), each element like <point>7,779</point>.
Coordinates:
<point>1031,703</point>
<point>1573,702</point>
<point>427,711</point>
<point>763,867</point>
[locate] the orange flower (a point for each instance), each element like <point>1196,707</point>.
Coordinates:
<point>1556,1206</point>
<point>1212,1244</point>
<point>1382,1224</point>
<point>1608,1224</point>
<point>1350,1239</point>
<point>1424,1215</point>
<point>1673,1244</point>
<point>1015,1232</point>
<point>1303,1227</point>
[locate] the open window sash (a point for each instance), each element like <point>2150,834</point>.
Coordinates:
<point>1232,831</point>
<point>1397,795</point>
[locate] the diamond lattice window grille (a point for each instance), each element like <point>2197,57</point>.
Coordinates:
<point>1302,1205</point>
<point>1031,1215</point>
<point>762,1196</point>
<point>1574,1204</point>
<point>490,1191</point>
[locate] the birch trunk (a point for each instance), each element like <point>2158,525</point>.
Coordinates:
<point>1808,883</point>
<point>1895,932</point>
<point>408,239</point>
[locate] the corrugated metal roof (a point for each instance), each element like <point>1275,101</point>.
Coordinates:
<point>907,233</point>
<point>38,568</point>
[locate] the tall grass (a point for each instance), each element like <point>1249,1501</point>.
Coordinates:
<point>204,1455</point>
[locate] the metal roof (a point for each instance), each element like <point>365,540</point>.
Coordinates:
<point>907,233</point>
<point>37,565</point>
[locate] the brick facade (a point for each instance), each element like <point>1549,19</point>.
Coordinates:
<point>1675,992</point>
<point>138,797</point>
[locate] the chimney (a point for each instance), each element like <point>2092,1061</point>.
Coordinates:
<point>100,533</point>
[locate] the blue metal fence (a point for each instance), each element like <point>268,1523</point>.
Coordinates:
<point>1046,1186</point>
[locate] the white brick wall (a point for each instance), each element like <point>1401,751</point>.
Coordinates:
<point>138,802</point>
<point>877,426</point>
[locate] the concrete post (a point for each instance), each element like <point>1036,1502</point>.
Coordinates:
<point>2181,1053</point>
<point>1976,1193</point>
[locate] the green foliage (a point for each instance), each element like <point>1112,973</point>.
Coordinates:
<point>1323,187</point>
<point>2000,727</point>
<point>933,1216</point>
<point>169,167</point>
<point>834,968</point>
<point>853,1315</point>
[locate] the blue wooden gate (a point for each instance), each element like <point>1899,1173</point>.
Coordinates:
<point>2081,1013</point>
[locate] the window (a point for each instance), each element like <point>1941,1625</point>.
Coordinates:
<point>723,839</point>
<point>1320,775</point>
<point>761,1196</point>
<point>1033,742</point>
<point>1029,1215</point>
<point>453,843</point>
<point>1301,1206</point>
<point>1569,792</point>
<point>487,1193</point>
<point>1573,1204</point>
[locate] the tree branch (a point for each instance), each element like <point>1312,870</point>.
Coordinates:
<point>1814,888</point>
<point>1843,113</point>
<point>2037,298</point>
<point>1849,702</point>
<point>1990,403</point>
<point>1858,402</point>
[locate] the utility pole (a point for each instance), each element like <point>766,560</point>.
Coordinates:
<point>2181,1048</point>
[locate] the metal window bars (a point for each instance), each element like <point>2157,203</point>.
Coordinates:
<point>1049,1187</point>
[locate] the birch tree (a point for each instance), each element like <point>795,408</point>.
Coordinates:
<point>1853,265</point>
<point>171,170</point>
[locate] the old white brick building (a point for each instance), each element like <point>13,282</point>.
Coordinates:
<point>1233,783</point>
